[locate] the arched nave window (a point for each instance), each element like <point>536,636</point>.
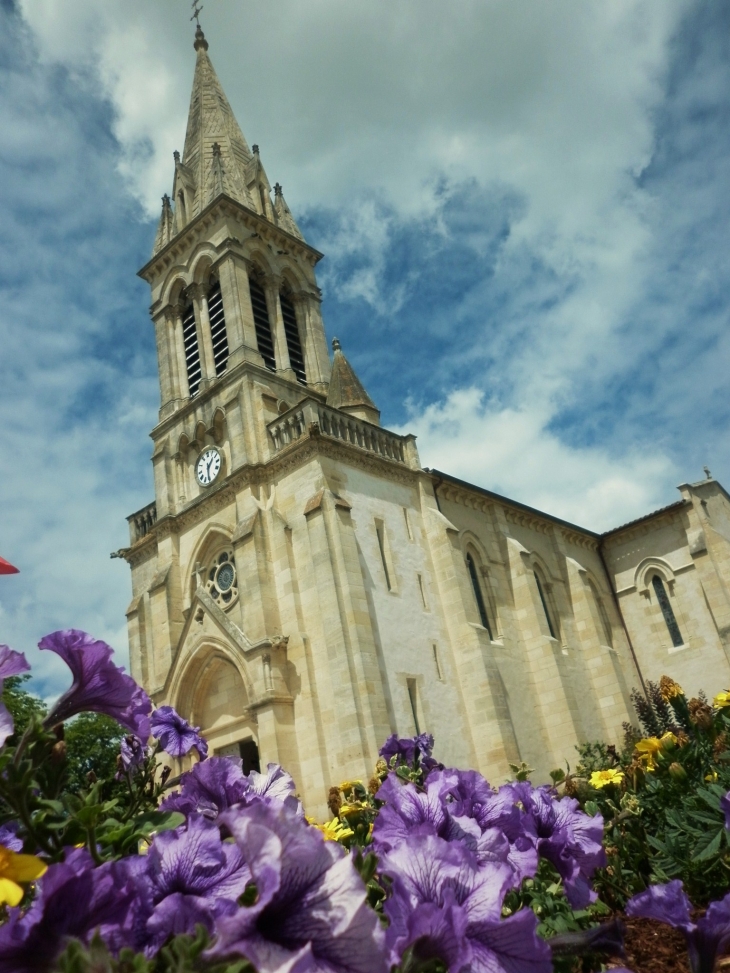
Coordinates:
<point>261,321</point>
<point>192,351</point>
<point>218,334</point>
<point>478,594</point>
<point>664,603</point>
<point>551,623</point>
<point>293,341</point>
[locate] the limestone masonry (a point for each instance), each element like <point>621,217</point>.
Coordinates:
<point>302,588</point>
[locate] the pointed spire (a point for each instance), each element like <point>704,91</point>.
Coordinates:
<point>216,159</point>
<point>166,226</point>
<point>346,391</point>
<point>283,213</point>
<point>211,122</point>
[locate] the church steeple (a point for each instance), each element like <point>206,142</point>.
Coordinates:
<point>217,160</point>
<point>211,122</point>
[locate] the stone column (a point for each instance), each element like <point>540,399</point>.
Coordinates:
<point>164,366</point>
<point>171,339</point>
<point>205,342</point>
<point>179,345</point>
<point>318,359</point>
<point>281,348</point>
<point>233,298</point>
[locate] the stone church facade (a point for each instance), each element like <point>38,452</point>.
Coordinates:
<point>302,587</point>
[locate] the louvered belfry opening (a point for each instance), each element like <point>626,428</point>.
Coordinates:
<point>293,341</point>
<point>262,323</point>
<point>218,327</point>
<point>192,351</point>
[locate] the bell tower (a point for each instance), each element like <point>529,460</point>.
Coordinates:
<point>225,621</point>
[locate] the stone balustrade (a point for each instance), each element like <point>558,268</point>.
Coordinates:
<point>142,522</point>
<point>311,416</point>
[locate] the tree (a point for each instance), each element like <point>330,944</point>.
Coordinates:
<point>92,742</point>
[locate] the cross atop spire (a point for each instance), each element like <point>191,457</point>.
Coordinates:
<point>197,10</point>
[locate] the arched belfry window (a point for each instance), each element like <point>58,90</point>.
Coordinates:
<point>478,594</point>
<point>218,327</point>
<point>293,341</point>
<point>664,603</point>
<point>552,627</point>
<point>192,351</point>
<point>262,323</point>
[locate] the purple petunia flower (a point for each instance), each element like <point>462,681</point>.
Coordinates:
<point>74,899</point>
<point>212,786</point>
<point>434,810</point>
<point>405,750</point>
<point>98,685</point>
<point>175,734</point>
<point>218,783</point>
<point>188,877</point>
<point>706,939</point>
<point>311,912</point>
<point>443,905</point>
<point>12,663</point>
<point>132,754</point>
<point>9,836</point>
<point>567,837</point>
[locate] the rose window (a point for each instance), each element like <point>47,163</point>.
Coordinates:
<point>221,583</point>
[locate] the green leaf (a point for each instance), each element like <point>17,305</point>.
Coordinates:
<point>708,846</point>
<point>155,821</point>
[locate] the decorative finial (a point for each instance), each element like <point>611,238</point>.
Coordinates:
<point>336,344</point>
<point>200,40</point>
<point>255,149</point>
<point>707,473</point>
<point>176,157</point>
<point>196,12</point>
<point>278,191</point>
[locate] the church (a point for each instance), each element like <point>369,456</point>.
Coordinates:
<point>303,587</point>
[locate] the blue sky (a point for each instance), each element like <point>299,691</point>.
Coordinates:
<point>524,213</point>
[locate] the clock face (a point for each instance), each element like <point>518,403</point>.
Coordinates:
<point>208,466</point>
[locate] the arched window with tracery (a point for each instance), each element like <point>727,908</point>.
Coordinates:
<point>262,322</point>
<point>550,616</point>
<point>478,593</point>
<point>192,351</point>
<point>218,333</point>
<point>662,597</point>
<point>293,340</point>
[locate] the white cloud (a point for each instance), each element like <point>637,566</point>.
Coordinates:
<point>512,453</point>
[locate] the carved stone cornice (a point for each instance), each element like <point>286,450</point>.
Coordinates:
<point>197,230</point>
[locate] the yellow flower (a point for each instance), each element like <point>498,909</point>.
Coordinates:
<point>350,785</point>
<point>601,778</point>
<point>669,688</point>
<point>712,776</point>
<point>722,700</point>
<point>349,809</point>
<point>335,830</point>
<point>15,869</point>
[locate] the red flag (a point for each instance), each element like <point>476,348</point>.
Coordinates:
<point>6,567</point>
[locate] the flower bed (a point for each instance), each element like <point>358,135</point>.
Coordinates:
<point>421,869</point>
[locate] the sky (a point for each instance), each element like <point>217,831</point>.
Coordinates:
<point>524,213</point>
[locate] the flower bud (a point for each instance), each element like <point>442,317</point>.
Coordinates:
<point>58,752</point>
<point>677,772</point>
